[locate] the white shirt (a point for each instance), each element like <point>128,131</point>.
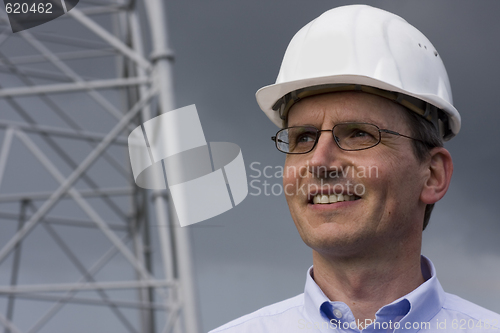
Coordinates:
<point>426,309</point>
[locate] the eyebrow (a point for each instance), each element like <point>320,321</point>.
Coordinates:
<point>350,120</point>
<point>365,120</point>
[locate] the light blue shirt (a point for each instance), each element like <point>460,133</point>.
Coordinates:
<point>426,309</point>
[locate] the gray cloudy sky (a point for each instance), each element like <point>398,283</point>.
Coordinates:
<point>252,255</point>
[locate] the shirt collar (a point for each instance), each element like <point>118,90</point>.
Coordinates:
<point>420,305</point>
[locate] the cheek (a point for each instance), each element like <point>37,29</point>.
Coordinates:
<point>380,176</point>
<point>288,176</point>
<point>397,183</point>
<point>294,171</point>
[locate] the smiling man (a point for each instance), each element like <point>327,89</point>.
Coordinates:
<point>364,104</point>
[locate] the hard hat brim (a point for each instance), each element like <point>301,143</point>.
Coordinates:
<point>267,96</point>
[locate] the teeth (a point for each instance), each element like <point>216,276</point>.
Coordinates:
<point>332,198</point>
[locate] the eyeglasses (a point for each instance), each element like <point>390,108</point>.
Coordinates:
<point>348,136</point>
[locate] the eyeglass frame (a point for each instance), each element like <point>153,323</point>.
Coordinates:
<point>380,131</point>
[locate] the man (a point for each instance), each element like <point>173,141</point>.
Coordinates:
<point>364,103</point>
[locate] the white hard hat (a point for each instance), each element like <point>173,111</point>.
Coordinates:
<point>363,48</point>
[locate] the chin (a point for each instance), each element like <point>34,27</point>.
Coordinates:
<point>334,238</point>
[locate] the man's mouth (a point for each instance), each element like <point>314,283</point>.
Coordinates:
<point>332,198</point>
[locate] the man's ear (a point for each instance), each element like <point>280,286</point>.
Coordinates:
<point>440,169</point>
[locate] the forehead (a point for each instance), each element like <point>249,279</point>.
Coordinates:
<point>332,108</point>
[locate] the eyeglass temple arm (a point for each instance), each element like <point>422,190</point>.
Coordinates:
<point>277,140</point>
<point>396,133</point>
<point>390,132</point>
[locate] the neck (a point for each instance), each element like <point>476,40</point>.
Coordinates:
<point>369,282</point>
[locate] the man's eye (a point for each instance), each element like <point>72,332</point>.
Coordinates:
<point>306,137</point>
<point>360,134</point>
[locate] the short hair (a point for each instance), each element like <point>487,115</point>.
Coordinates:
<point>424,130</point>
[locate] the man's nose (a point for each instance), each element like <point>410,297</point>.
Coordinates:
<point>326,155</point>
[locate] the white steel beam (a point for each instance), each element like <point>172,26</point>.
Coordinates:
<point>71,87</point>
<point>119,191</point>
<point>162,61</point>
<point>35,73</point>
<point>70,55</point>
<point>93,301</point>
<point>4,153</point>
<point>9,325</point>
<point>172,320</point>
<point>58,38</point>
<point>102,10</point>
<point>66,221</point>
<point>59,131</point>
<point>58,287</point>
<point>147,317</point>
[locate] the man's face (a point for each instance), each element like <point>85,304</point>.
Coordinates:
<point>386,180</point>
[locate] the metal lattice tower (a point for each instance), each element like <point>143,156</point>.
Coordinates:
<point>70,93</point>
